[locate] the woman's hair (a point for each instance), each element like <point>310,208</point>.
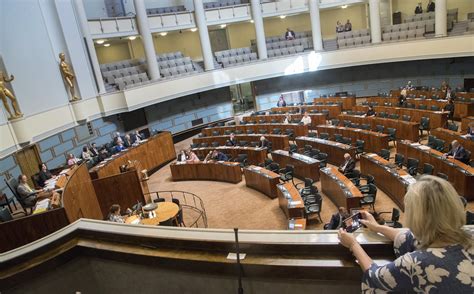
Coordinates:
<point>434,212</point>
<point>114,208</point>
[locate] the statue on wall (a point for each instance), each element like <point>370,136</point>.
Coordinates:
<point>6,93</point>
<point>68,76</point>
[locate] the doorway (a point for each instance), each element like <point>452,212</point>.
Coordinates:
<point>242,98</point>
<point>218,40</point>
<point>468,84</point>
<point>29,160</point>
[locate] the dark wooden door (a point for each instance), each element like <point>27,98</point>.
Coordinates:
<point>28,159</point>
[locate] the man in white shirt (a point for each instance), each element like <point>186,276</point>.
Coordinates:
<point>306,119</point>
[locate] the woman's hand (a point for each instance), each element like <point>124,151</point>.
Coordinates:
<point>347,239</point>
<point>369,221</point>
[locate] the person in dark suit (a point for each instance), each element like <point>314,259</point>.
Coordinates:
<point>336,219</point>
<point>419,9</point>
<point>289,35</point>
<point>43,175</point>
<point>457,152</point>
<point>449,108</point>
<point>281,102</point>
<point>127,141</point>
<point>430,7</point>
<point>349,164</point>
<point>263,142</point>
<point>93,150</point>
<point>370,111</point>
<point>136,137</point>
<point>232,141</point>
<point>216,155</point>
<point>348,26</point>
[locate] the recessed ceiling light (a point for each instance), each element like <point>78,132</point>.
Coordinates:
<point>131,38</point>
<point>100,42</point>
<point>163,34</point>
<point>282,16</point>
<point>251,21</point>
<point>344,6</point>
<point>194,29</point>
<point>223,26</point>
<point>106,45</point>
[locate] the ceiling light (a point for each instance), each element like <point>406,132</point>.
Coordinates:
<point>131,38</point>
<point>251,21</point>
<point>163,34</point>
<point>223,26</point>
<point>194,29</point>
<point>344,6</point>
<point>282,16</point>
<point>106,45</point>
<point>100,42</point>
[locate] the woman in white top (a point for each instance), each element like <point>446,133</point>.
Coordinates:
<point>306,120</point>
<point>287,118</point>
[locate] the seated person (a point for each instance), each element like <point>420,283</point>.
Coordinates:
<point>137,137</point>
<point>449,107</point>
<point>469,214</point>
<point>370,111</point>
<point>281,102</point>
<point>114,214</point>
<point>349,164</point>
<point>287,119</point>
<point>348,26</point>
<point>337,219</point>
<point>306,119</point>
<point>72,160</point>
<point>457,152</point>
<point>419,9</point>
<point>103,154</point>
<point>93,150</point>
<point>232,141</point>
<point>192,157</point>
<point>86,155</point>
<point>289,35</point>
<point>470,131</point>
<point>216,155</point>
<point>117,138</point>
<point>127,141</point>
<point>181,156</point>
<point>431,6</point>
<point>409,86</point>
<point>43,175</point>
<point>119,147</point>
<point>263,142</point>
<point>403,97</point>
<point>30,196</point>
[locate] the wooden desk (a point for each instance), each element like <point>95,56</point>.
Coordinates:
<point>255,155</point>
<point>339,188</point>
<point>299,130</point>
<point>405,129</point>
<point>465,123</point>
<point>212,171</point>
<point>290,201</point>
<point>334,150</point>
<point>392,180</point>
<point>374,141</point>
<point>459,174</point>
<point>151,154</point>
<point>316,118</point>
<point>305,166</point>
<point>262,180</point>
<point>278,141</point>
<point>448,136</point>
<point>164,212</point>
<point>334,110</point>
<point>347,102</point>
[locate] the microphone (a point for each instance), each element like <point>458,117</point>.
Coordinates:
<point>237,249</point>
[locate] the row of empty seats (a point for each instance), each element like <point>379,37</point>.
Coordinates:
<point>223,3</point>
<point>234,60</point>
<point>134,62</point>
<point>181,70</point>
<point>163,10</point>
<point>232,52</point>
<point>175,62</point>
<point>421,16</point>
<point>285,51</point>
<point>403,35</point>
<point>111,76</point>
<point>274,39</point>
<point>133,80</point>
<point>353,34</point>
<point>354,42</point>
<point>305,42</point>
<point>428,25</point>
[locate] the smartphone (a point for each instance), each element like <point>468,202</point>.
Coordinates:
<point>352,223</point>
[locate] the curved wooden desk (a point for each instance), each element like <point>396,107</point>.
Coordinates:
<point>316,118</point>
<point>465,123</point>
<point>405,129</point>
<point>339,188</point>
<point>448,136</point>
<point>278,141</point>
<point>262,180</point>
<point>333,149</point>
<point>334,110</point>
<point>165,211</point>
<point>298,130</point>
<point>459,174</point>
<point>373,141</point>
<point>390,179</point>
<point>213,171</point>
<point>151,154</point>
<point>305,166</point>
<point>290,201</point>
<point>347,102</point>
<point>255,155</point>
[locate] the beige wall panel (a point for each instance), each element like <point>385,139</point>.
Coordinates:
<point>113,53</point>
<point>187,42</point>
<point>355,13</point>
<point>240,34</point>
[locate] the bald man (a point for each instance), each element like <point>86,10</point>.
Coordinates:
<point>457,152</point>
<point>348,165</point>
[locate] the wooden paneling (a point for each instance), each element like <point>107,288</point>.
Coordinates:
<point>459,174</point>
<point>316,118</point>
<point>465,123</point>
<point>151,154</point>
<point>28,160</point>
<point>305,166</point>
<point>299,130</point>
<point>262,180</point>
<point>255,155</point>
<point>334,110</point>
<point>211,171</point>
<point>334,150</point>
<point>373,141</point>
<point>124,189</point>
<point>278,141</point>
<point>347,102</point>
<point>448,136</point>
<point>339,189</point>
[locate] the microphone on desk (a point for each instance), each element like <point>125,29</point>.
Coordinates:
<point>237,249</point>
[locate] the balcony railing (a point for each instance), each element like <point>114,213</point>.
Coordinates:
<point>228,14</point>
<point>171,21</point>
<point>116,26</point>
<point>279,7</point>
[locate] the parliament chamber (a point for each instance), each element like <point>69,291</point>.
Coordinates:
<point>229,146</point>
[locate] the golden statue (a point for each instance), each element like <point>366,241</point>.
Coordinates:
<point>68,76</point>
<point>5,93</point>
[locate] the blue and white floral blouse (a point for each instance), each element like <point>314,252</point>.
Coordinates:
<point>434,270</point>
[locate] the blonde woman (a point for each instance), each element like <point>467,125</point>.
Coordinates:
<point>434,256</point>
